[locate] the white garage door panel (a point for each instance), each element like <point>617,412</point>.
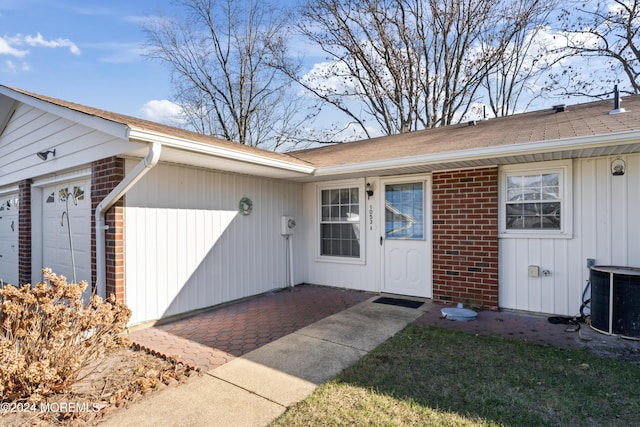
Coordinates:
<point>67,206</point>
<point>9,239</point>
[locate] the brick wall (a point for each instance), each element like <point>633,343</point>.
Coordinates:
<point>106,174</point>
<point>24,233</point>
<point>465,237</point>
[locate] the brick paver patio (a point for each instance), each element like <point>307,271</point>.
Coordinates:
<point>211,338</point>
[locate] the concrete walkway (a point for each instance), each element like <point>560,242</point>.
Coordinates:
<point>254,389</point>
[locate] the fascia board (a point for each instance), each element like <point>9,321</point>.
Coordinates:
<point>212,150</point>
<point>9,190</point>
<point>118,130</point>
<point>539,147</point>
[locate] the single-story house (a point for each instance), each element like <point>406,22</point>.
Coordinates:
<point>499,214</point>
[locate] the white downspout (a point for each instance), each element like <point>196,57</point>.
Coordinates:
<point>129,181</point>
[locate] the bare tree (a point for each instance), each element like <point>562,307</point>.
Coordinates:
<point>605,34</point>
<point>516,75</point>
<point>371,73</point>
<point>399,65</point>
<point>225,57</point>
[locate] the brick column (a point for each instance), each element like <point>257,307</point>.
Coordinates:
<point>106,174</point>
<point>465,237</point>
<point>24,232</point>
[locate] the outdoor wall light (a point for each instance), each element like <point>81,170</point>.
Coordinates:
<point>369,190</point>
<point>44,154</point>
<point>617,167</point>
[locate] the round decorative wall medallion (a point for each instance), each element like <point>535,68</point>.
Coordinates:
<point>246,206</point>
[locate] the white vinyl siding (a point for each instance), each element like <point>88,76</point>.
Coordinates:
<point>605,228</point>
<point>188,247</point>
<point>31,130</point>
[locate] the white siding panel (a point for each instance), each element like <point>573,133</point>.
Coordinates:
<point>30,131</point>
<point>533,294</point>
<point>187,246</point>
<point>560,286</point>
<point>619,208</point>
<point>585,242</point>
<point>600,218</point>
<point>633,209</point>
<point>542,294</point>
<point>522,262</point>
<point>605,228</point>
<point>506,274</point>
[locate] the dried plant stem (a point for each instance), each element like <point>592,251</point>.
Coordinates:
<point>49,335</point>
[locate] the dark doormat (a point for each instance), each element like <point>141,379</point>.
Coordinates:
<point>400,302</point>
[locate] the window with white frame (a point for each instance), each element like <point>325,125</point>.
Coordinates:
<point>340,222</point>
<point>535,200</point>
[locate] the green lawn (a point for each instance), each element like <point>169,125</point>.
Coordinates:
<point>434,376</point>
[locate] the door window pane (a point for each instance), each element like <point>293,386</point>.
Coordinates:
<point>404,211</point>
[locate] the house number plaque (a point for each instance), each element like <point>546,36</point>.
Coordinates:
<point>371,217</point>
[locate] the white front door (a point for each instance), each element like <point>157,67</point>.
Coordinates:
<point>9,239</point>
<point>406,239</point>
<point>66,230</point>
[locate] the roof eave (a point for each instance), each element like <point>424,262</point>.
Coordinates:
<point>217,151</point>
<point>495,152</point>
<point>110,127</point>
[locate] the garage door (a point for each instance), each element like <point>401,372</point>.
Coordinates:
<point>9,239</point>
<point>66,230</point>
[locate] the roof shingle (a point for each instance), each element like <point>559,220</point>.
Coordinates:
<point>586,119</point>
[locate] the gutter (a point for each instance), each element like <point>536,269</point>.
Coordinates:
<point>116,194</point>
<point>222,152</point>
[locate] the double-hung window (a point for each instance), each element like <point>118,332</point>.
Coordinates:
<point>535,199</point>
<point>340,222</point>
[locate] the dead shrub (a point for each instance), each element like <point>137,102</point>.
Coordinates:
<point>49,334</point>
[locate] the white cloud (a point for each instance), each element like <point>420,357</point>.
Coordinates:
<point>10,45</point>
<point>38,40</point>
<point>7,49</point>
<point>119,53</point>
<point>11,67</point>
<point>329,78</point>
<point>353,132</point>
<point>162,111</point>
<point>138,19</point>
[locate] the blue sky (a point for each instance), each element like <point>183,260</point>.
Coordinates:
<point>90,52</point>
<point>85,51</point>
